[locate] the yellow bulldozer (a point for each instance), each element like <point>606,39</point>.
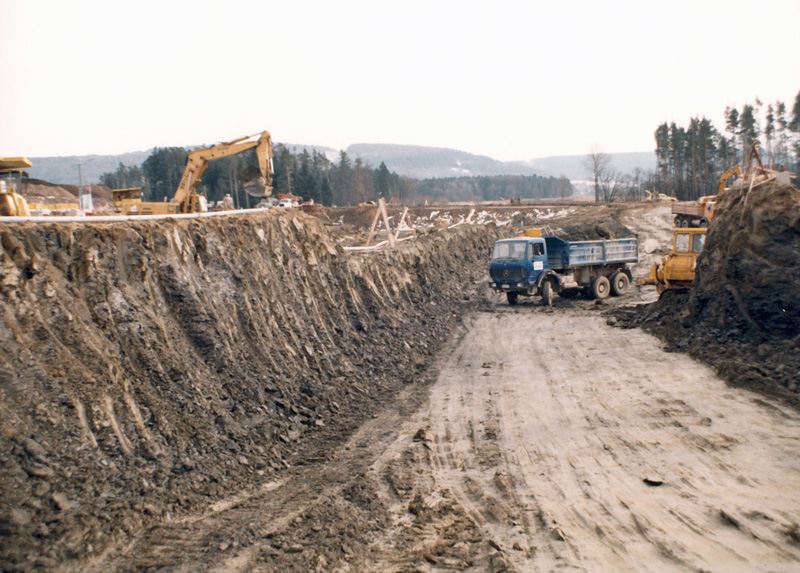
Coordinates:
<point>13,180</point>
<point>676,271</point>
<point>186,198</point>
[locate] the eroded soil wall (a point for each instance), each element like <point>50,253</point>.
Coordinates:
<point>148,368</point>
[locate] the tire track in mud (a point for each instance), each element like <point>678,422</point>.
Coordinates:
<point>303,521</point>
<point>235,532</point>
<point>576,445</point>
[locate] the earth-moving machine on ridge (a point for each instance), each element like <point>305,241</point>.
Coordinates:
<point>699,213</point>
<point>13,180</point>
<point>186,198</point>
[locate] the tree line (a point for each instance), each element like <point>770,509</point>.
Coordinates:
<point>310,175</point>
<point>691,159</point>
<point>493,188</point>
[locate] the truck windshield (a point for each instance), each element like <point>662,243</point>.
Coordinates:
<point>509,250</point>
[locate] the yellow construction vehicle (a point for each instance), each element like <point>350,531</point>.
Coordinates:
<point>676,270</point>
<point>187,200</point>
<point>124,198</point>
<point>699,213</point>
<point>13,180</point>
<point>723,179</point>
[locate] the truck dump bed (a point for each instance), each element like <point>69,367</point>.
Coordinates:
<point>687,208</point>
<point>563,254</point>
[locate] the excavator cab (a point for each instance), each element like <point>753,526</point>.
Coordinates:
<point>13,182</point>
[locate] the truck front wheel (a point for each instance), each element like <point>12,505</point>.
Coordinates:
<point>619,284</point>
<point>512,297</point>
<point>547,293</point>
<point>600,287</point>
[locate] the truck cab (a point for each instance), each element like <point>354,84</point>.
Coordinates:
<point>517,265</point>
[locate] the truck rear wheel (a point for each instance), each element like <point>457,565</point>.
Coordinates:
<point>547,293</point>
<point>619,284</point>
<point>600,287</point>
<point>512,297</point>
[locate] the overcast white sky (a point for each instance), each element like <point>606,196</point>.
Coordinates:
<point>513,80</point>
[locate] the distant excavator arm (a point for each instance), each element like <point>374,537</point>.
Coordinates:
<point>723,179</point>
<point>187,199</point>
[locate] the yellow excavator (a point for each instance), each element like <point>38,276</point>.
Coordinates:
<point>256,183</point>
<point>676,271</point>
<point>13,180</point>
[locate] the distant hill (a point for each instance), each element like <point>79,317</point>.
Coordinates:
<point>434,162</point>
<point>65,169</point>
<point>414,161</point>
<point>572,165</point>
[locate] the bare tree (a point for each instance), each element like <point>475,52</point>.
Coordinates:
<point>599,166</point>
<point>564,187</point>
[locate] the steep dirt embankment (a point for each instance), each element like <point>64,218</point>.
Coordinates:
<point>743,313</point>
<point>148,368</point>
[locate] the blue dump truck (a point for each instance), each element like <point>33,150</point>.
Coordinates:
<point>533,264</point>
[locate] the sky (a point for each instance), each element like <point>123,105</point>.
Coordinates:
<point>509,79</point>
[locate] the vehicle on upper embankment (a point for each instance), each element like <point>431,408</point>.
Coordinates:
<point>699,213</point>
<point>532,264</point>
<point>694,213</point>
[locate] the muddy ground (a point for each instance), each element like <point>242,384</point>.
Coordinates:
<point>246,395</point>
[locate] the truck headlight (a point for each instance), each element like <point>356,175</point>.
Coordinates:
<point>520,285</point>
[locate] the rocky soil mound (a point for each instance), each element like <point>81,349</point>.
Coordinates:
<point>38,191</point>
<point>150,368</point>
<point>743,313</point>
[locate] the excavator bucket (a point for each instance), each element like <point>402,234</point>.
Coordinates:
<point>254,183</point>
<point>257,187</point>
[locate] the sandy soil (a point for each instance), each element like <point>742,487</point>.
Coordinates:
<point>576,445</point>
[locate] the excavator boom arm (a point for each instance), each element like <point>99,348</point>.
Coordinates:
<point>723,179</point>
<point>198,160</point>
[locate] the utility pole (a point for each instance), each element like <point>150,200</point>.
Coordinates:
<point>80,189</point>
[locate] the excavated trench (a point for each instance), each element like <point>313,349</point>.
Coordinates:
<point>245,394</point>
<point>151,368</point>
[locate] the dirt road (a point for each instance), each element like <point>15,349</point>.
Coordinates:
<point>548,440</point>
<point>575,445</point>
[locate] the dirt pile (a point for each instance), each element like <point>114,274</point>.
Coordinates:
<point>748,278</point>
<point>743,312</point>
<point>150,368</point>
<point>38,191</point>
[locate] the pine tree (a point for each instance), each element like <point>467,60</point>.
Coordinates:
<point>769,132</point>
<point>794,126</point>
<point>732,126</point>
<point>748,128</point>
<point>383,181</point>
<point>782,138</point>
<point>662,158</point>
